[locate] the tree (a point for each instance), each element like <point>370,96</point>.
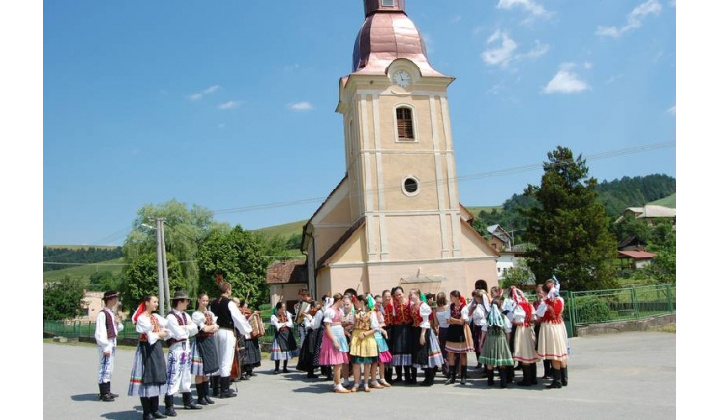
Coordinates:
<point>63,300</point>
<point>141,279</point>
<point>237,257</point>
<point>519,276</point>
<point>103,281</point>
<point>569,227</point>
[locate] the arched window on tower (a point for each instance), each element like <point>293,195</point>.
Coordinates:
<point>404,123</point>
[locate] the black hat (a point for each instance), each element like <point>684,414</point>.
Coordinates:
<point>109,295</point>
<point>180,294</point>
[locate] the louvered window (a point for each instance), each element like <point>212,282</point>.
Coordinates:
<point>404,124</point>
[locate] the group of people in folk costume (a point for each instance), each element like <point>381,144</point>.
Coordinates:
<point>370,336</point>
<point>342,335</point>
<point>202,344</point>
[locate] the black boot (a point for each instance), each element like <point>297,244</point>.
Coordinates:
<point>206,393</point>
<point>110,393</point>
<point>155,408</point>
<point>483,372</point>
<point>188,402</point>
<point>547,369</point>
<point>563,376</point>
<point>105,392</point>
<point>504,375</point>
<point>490,377</point>
<point>398,374</point>
<point>463,374</point>
<point>451,375</point>
<point>169,409</point>
<point>215,385</point>
<point>533,373</point>
<point>410,375</point>
<point>556,383</point>
<point>510,373</point>
<point>225,391</point>
<point>200,389</point>
<point>285,369</point>
<point>147,411</point>
<point>527,374</point>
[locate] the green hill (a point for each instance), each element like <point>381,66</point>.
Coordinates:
<point>284,231</point>
<point>84,271</point>
<point>668,201</point>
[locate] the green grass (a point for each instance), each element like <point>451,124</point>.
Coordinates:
<point>475,210</point>
<point>84,271</point>
<point>285,231</point>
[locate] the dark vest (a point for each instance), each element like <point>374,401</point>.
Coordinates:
<point>220,308</point>
<point>109,325</point>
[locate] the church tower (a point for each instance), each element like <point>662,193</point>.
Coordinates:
<point>395,218</point>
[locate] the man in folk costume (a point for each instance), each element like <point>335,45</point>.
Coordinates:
<point>179,361</point>
<point>301,315</point>
<point>106,328</point>
<point>552,342</point>
<point>229,319</point>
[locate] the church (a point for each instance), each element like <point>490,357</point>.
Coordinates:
<point>395,217</point>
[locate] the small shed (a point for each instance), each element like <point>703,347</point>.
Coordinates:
<point>635,259</point>
<point>285,279</point>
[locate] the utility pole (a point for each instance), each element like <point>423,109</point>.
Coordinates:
<point>165,269</point>
<point>162,284</point>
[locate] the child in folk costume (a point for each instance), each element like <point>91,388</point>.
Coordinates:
<point>284,346</point>
<point>363,347</point>
<point>524,346</point>
<point>334,350</point>
<point>149,374</point>
<point>205,362</point>
<point>107,326</point>
<point>386,310</point>
<point>495,348</point>
<point>427,354</point>
<point>457,338</point>
<point>381,334</point>
<point>552,341</point>
<point>179,361</point>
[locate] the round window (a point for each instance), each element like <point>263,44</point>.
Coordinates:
<point>410,186</point>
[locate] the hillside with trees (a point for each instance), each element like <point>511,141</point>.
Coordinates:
<point>60,257</point>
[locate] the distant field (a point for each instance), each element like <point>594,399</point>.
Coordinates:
<point>668,201</point>
<point>83,271</point>
<point>75,247</point>
<point>285,231</point>
<point>475,210</point>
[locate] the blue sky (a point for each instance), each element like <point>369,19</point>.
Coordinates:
<point>230,104</point>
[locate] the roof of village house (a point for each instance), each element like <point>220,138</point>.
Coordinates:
<point>652,211</point>
<point>287,272</point>
<point>636,255</point>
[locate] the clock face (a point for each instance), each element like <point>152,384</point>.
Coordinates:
<point>401,78</point>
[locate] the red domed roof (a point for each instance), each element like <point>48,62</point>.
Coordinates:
<point>386,36</point>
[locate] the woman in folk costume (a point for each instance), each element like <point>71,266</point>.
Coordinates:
<point>284,346</point>
<point>524,346</point>
<point>553,342</point>
<point>334,350</point>
<point>149,374</point>
<point>495,346</point>
<point>253,357</point>
<point>204,349</point>
<point>477,311</point>
<point>457,340</point>
<point>402,342</point>
<point>540,296</point>
<point>381,335</point>
<point>386,310</point>
<point>305,358</point>
<point>442,316</point>
<point>107,326</point>
<point>428,355</point>
<point>179,360</point>
<point>363,347</point>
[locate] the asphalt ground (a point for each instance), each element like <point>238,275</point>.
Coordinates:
<point>629,375</point>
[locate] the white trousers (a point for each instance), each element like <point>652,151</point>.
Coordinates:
<point>179,362</point>
<point>106,365</point>
<point>225,340</point>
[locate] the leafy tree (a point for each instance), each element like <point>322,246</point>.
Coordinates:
<point>63,300</point>
<point>518,276</point>
<point>236,256</point>
<point>569,226</point>
<point>103,281</point>
<point>141,279</point>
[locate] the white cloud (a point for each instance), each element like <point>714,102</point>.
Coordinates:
<point>587,65</point>
<point>229,105</point>
<point>501,55</point>
<point>565,81</point>
<point>301,106</point>
<point>538,50</point>
<point>199,95</point>
<point>671,110</point>
<point>634,19</point>
<point>534,8</point>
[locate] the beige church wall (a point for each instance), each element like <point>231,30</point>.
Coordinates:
<point>396,168</point>
<point>344,277</point>
<point>353,250</point>
<point>421,119</point>
<point>481,270</point>
<point>472,245</point>
<point>340,214</point>
<point>413,237</point>
<point>326,237</point>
